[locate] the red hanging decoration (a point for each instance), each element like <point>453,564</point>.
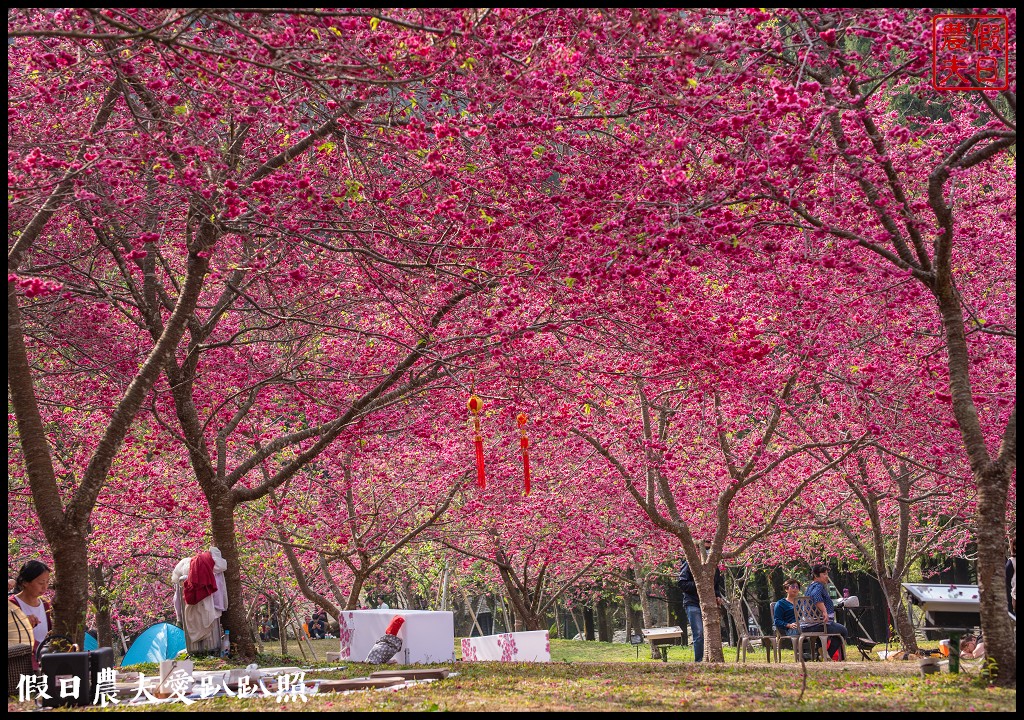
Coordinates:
<point>524,443</point>
<point>475,405</point>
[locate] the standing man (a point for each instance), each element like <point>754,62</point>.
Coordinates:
<point>1011,577</point>
<point>691,602</point>
<point>817,591</point>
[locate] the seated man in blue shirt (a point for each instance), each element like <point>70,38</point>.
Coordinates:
<point>785,615</point>
<point>817,591</point>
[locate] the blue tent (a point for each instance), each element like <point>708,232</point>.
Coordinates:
<point>159,642</point>
<point>90,642</point>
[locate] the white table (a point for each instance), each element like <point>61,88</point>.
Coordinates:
<point>428,636</point>
<point>530,646</point>
<point>659,636</point>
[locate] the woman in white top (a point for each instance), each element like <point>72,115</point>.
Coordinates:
<point>33,581</point>
<point>971,647</point>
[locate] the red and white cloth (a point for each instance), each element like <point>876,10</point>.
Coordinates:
<point>428,636</point>
<point>530,646</point>
<point>201,579</point>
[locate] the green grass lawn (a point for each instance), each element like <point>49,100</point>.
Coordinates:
<point>595,676</point>
<point>580,651</point>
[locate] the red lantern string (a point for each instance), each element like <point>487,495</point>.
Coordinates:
<point>524,443</point>
<point>475,405</point>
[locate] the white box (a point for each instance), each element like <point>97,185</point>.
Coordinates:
<point>530,646</point>
<point>428,636</point>
<point>175,678</point>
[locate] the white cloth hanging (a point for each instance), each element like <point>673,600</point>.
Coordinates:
<point>201,621</point>
<point>220,565</point>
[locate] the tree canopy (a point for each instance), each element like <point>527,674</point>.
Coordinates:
<point>747,274</point>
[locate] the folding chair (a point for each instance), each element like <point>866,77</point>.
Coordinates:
<point>807,614</point>
<point>769,642</point>
<point>781,638</point>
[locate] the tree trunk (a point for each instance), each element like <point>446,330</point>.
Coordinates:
<point>588,623</point>
<point>524,617</point>
<point>222,525</point>
<point>71,585</point>
<point>101,601</point>
<point>628,615</point>
<point>645,603</point>
<point>998,631</point>
<point>282,631</point>
<point>604,625</point>
<point>735,611</point>
<point>893,592</point>
<point>709,610</point>
<point>511,615</point>
<point>576,622</point>
<point>992,478</point>
<point>357,588</point>
<point>634,619</point>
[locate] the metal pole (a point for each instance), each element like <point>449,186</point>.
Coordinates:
<point>444,587</point>
<point>954,653</point>
<point>124,643</point>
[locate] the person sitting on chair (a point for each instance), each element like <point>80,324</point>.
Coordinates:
<point>817,591</point>
<point>785,615</point>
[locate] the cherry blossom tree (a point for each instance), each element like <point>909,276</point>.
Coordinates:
<point>668,236</point>
<point>899,195</point>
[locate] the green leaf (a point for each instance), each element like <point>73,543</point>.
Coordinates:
<point>353,190</point>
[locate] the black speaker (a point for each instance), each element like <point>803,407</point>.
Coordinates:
<point>99,659</point>
<point>60,666</point>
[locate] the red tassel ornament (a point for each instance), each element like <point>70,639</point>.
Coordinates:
<point>475,405</point>
<point>524,444</point>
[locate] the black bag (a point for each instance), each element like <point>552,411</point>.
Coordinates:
<point>65,664</point>
<point>384,649</point>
